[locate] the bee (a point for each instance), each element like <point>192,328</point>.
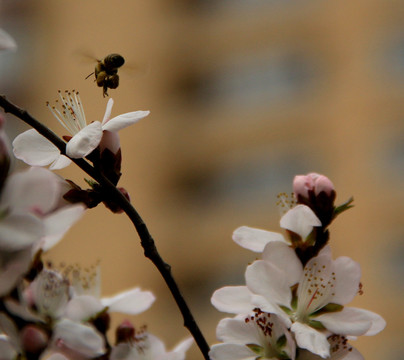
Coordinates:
<point>106,72</point>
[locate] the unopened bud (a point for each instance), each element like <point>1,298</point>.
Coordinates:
<point>33,339</point>
<point>125,332</point>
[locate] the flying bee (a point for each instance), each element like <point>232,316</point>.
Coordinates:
<point>106,72</point>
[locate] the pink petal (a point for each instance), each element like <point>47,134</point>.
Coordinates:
<point>122,121</point>
<point>255,239</point>
<point>85,141</point>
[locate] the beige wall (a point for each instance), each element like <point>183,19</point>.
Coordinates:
<point>241,97</point>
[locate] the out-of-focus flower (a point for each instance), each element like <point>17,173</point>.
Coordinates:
<point>300,220</point>
<point>29,207</point>
<point>6,41</point>
<point>141,345</point>
<point>257,336</point>
<point>35,150</point>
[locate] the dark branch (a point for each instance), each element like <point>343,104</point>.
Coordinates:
<point>111,192</point>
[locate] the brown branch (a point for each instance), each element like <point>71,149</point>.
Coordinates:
<point>111,192</point>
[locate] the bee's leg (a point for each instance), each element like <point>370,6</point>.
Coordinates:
<point>89,75</point>
<point>105,88</point>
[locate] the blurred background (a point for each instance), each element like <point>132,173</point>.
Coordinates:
<point>243,94</point>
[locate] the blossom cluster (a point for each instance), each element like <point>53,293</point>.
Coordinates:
<point>293,303</point>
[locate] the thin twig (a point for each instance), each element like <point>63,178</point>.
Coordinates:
<point>112,192</point>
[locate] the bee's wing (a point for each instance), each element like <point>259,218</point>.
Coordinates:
<point>85,56</point>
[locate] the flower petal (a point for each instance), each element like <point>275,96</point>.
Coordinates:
<point>34,149</point>
<point>284,258</point>
<point>108,111</point>
<point>122,121</point>
<point>255,239</point>
<point>6,41</point>
<point>266,279</point>
<point>231,352</point>
<point>19,231</point>
<point>58,223</point>
<point>131,302</point>
<point>85,141</point>
<point>348,275</point>
<point>232,299</point>
<point>237,331</point>
<point>78,337</point>
<point>353,321</point>
<point>348,321</point>
<point>82,308</point>
<point>40,188</point>
<point>311,339</point>
<point>300,220</point>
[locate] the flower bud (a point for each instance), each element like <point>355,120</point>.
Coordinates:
<point>33,339</point>
<point>125,332</point>
<point>318,192</point>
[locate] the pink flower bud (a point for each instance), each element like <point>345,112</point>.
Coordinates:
<point>312,182</point>
<point>323,184</point>
<point>33,339</point>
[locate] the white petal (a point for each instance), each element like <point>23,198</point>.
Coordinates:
<point>35,190</point>
<point>231,352</point>
<point>131,302</point>
<point>122,121</point>
<point>284,258</point>
<point>232,299</point>
<point>184,345</point>
<point>13,270</point>
<point>353,321</point>
<point>237,331</point>
<point>82,308</point>
<point>19,231</point>
<point>6,41</point>
<point>81,338</point>
<point>85,141</point>
<point>348,275</point>
<point>60,163</point>
<point>300,220</point>
<point>7,351</point>
<point>348,321</point>
<point>267,280</point>
<point>272,308</point>
<point>34,149</point>
<point>58,223</point>
<point>255,239</point>
<point>311,339</point>
<point>108,110</point>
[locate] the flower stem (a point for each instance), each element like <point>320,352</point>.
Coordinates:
<point>111,192</point>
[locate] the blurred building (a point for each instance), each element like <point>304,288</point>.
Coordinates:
<point>244,95</point>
